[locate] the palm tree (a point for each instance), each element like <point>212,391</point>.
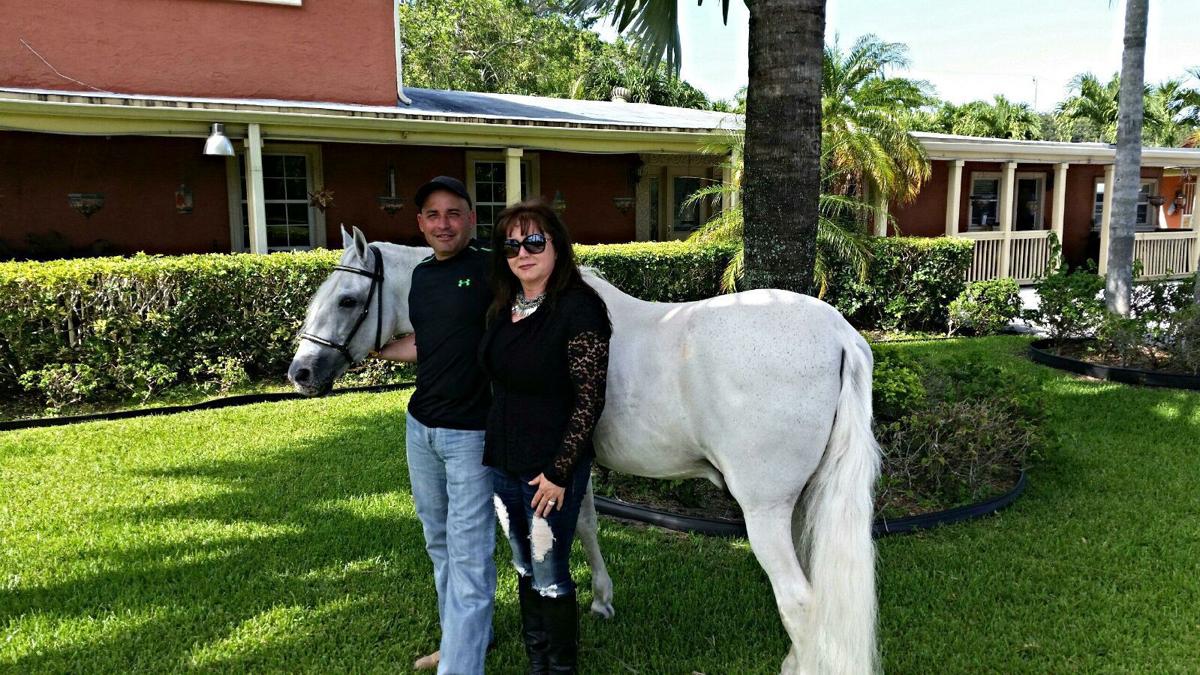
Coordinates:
<point>783,125</point>
<point>1118,282</point>
<point>1171,111</point>
<point>866,117</point>
<point>1092,108</point>
<point>840,236</point>
<point>1001,118</point>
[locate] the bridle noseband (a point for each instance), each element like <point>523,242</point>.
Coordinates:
<point>375,292</point>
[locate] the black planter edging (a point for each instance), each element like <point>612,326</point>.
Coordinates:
<point>736,528</point>
<point>212,404</point>
<point>1038,353</point>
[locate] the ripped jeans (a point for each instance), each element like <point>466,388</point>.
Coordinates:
<point>541,547</point>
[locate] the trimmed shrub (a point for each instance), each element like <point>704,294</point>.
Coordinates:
<point>84,330</point>
<point>985,307</point>
<point>909,286</point>
<point>896,388</point>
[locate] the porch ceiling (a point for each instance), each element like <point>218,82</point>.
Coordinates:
<point>970,148</point>
<point>435,118</point>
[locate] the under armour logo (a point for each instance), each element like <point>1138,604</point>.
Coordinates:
<point>463,283</point>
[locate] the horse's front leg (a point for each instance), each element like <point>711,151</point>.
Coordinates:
<point>602,587</point>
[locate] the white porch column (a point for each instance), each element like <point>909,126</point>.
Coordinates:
<point>1106,218</point>
<point>256,210</point>
<point>1060,201</point>
<point>728,197</point>
<point>512,175</point>
<point>1007,184</point>
<point>881,214</point>
<point>953,197</point>
<point>1196,228</point>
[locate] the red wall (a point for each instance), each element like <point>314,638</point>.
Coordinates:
<point>588,184</point>
<point>325,50</point>
<point>138,177</point>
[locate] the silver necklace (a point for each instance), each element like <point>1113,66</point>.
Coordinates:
<point>523,307</point>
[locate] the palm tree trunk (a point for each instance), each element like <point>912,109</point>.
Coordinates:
<point>783,143</point>
<point>1118,282</point>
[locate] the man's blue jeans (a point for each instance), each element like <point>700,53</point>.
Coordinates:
<point>452,491</point>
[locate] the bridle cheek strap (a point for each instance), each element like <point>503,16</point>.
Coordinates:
<point>374,293</point>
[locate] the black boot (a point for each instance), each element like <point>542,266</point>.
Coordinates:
<point>533,627</point>
<point>561,615</point>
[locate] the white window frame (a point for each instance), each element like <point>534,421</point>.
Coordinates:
<point>1151,223</point>
<point>703,208</point>
<point>1040,177</point>
<point>982,175</point>
<point>235,184</point>
<point>533,178</point>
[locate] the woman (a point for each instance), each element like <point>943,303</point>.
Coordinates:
<point>546,352</point>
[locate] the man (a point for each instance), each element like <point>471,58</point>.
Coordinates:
<point>447,415</point>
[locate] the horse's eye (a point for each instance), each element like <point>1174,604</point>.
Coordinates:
<point>347,302</point>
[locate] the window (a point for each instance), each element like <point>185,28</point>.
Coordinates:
<point>984,201</point>
<point>655,205</point>
<point>1147,216</point>
<point>287,180</point>
<point>490,191</point>
<point>687,216</point>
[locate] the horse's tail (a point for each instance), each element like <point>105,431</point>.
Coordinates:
<point>836,538</point>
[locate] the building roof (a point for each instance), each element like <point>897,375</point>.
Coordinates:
<point>974,148</point>
<point>468,118</point>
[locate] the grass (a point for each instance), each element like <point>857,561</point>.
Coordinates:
<point>282,537</point>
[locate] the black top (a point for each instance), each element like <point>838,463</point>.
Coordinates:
<point>548,375</point>
<point>447,305</point>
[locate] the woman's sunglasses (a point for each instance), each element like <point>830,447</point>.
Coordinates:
<point>534,243</point>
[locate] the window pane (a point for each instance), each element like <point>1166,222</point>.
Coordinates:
<point>985,187</point>
<point>483,171</point>
<point>272,166</point>
<point>273,188</point>
<point>276,214</point>
<point>277,236</point>
<point>298,236</point>
<point>294,166</point>
<point>1142,212</point>
<point>297,214</point>
<point>686,217</point>
<point>297,188</point>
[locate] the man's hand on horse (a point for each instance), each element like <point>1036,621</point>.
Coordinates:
<point>549,496</point>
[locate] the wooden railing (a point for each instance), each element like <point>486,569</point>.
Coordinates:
<point>1027,254</point>
<point>1165,253</point>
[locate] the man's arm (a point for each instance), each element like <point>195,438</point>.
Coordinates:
<point>401,349</point>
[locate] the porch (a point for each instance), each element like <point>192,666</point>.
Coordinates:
<point>1018,193</point>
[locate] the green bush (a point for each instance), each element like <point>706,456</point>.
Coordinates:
<point>909,285</point>
<point>985,307</point>
<point>897,389</point>
<point>85,330</point>
<point>1070,305</point>
<point>673,271</point>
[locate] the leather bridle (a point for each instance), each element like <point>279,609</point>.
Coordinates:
<point>376,293</point>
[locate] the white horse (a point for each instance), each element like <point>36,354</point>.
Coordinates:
<point>766,393</point>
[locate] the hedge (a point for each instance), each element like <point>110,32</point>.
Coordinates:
<point>910,283</point>
<point>74,331</point>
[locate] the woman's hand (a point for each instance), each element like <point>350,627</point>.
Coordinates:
<point>549,496</point>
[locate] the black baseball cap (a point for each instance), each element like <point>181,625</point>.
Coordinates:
<point>442,183</point>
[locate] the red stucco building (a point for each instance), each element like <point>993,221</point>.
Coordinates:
<point>105,106</point>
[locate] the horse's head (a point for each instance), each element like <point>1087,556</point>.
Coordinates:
<point>357,309</point>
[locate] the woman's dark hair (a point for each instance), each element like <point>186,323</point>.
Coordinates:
<point>532,215</point>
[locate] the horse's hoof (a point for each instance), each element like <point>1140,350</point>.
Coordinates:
<point>604,609</point>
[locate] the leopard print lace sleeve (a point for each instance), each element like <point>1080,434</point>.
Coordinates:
<point>587,360</point>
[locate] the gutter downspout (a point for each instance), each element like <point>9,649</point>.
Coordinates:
<point>399,54</point>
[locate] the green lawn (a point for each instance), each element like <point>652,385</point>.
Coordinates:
<point>282,537</point>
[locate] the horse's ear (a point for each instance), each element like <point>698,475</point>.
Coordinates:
<point>347,239</point>
<point>360,243</point>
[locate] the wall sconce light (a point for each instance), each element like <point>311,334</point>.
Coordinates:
<point>86,203</point>
<point>218,143</point>
<point>559,204</point>
<point>183,199</point>
<point>390,203</point>
<point>623,204</point>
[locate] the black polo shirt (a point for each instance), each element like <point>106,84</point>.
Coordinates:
<point>447,305</point>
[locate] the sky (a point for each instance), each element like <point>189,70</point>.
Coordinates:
<point>1027,50</point>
